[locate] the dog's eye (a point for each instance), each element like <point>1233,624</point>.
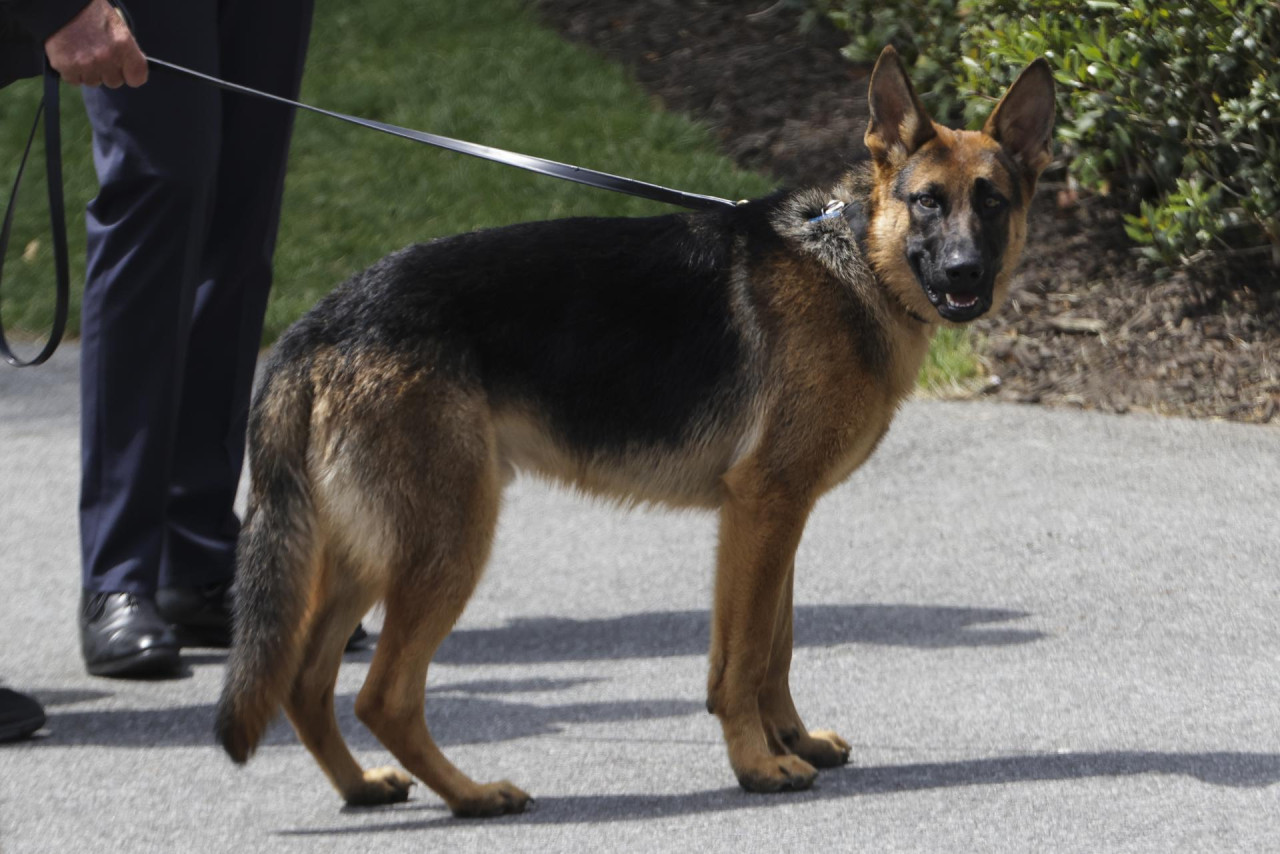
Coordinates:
<point>926,201</point>
<point>992,203</point>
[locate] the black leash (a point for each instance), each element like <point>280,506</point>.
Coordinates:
<point>57,214</point>
<point>53,160</point>
<point>577,174</point>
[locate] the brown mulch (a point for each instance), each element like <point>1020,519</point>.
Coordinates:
<point>1086,325</point>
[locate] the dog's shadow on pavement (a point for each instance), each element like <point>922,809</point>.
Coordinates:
<point>485,711</point>
<point>1242,770</point>
<point>663,634</point>
<point>666,634</point>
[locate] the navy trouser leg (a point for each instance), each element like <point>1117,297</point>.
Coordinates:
<point>262,46</point>
<point>180,240</point>
<point>155,150</point>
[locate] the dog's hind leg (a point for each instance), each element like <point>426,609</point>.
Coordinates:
<point>760,527</point>
<point>782,725</point>
<point>443,555</point>
<point>309,704</point>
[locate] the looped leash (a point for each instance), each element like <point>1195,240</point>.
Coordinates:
<point>57,215</point>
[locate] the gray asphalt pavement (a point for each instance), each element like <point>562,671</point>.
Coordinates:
<point>1041,631</point>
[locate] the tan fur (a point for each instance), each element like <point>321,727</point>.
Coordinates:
<point>406,468</point>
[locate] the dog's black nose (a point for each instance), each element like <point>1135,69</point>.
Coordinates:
<point>963,268</point>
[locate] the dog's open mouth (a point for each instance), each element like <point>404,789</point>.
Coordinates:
<point>962,302</point>
<point>958,307</point>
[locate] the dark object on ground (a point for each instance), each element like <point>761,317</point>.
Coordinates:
<point>1084,326</point>
<point>20,715</point>
<point>201,616</point>
<point>358,640</point>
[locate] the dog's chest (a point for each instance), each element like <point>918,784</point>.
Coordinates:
<point>872,410</point>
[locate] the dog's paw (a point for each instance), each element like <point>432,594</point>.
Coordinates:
<point>501,798</point>
<point>777,774</point>
<point>380,786</point>
<point>821,748</point>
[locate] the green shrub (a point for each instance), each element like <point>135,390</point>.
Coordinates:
<point>917,30</point>
<point>1175,108</point>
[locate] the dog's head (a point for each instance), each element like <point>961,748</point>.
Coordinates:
<point>949,206</point>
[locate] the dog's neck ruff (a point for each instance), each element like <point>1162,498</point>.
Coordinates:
<point>834,208</point>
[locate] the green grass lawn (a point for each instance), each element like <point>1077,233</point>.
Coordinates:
<point>485,72</point>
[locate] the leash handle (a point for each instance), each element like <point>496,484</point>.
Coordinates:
<point>57,215</point>
<point>539,165</point>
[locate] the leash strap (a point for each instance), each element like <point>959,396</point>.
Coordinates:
<point>564,171</point>
<point>57,215</point>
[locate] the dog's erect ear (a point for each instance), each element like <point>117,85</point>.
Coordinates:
<point>899,124</point>
<point>1023,120</point>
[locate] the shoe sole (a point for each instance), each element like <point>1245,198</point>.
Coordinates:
<point>149,662</point>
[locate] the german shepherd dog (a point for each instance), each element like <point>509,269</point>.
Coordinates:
<point>745,360</point>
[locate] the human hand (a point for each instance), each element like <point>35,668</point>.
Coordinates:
<point>96,47</point>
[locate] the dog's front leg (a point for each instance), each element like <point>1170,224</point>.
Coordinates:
<point>760,528</point>
<point>783,728</point>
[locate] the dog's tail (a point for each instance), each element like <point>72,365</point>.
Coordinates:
<point>276,561</point>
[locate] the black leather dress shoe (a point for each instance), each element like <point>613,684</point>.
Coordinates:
<point>122,635</point>
<point>20,715</point>
<point>200,616</point>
